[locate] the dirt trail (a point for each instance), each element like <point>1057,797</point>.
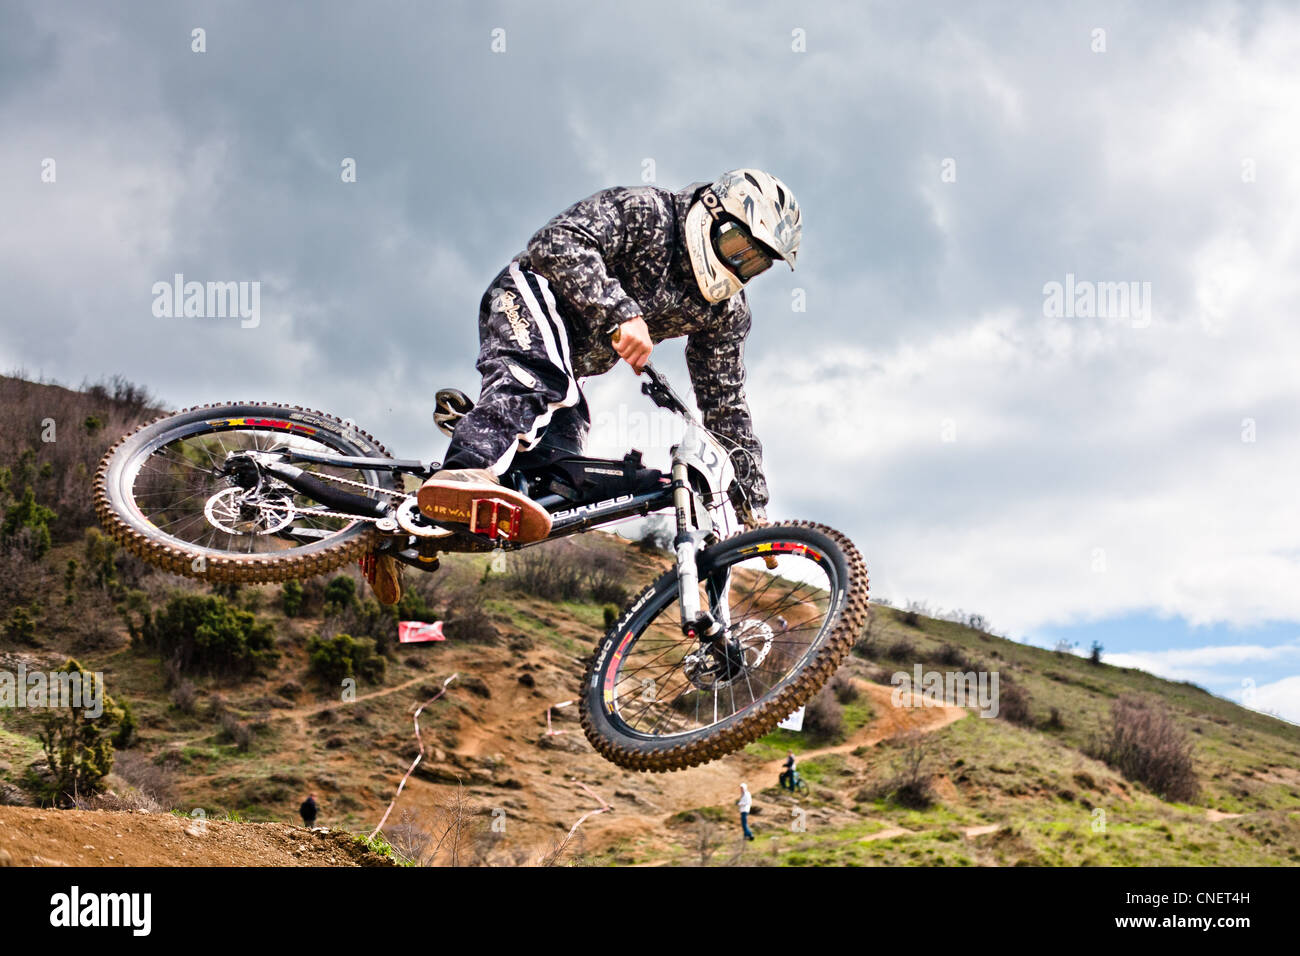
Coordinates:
<point>890,721</point>
<point>122,838</point>
<point>301,712</point>
<point>718,783</point>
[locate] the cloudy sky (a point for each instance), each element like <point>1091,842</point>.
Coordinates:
<point>1125,472</point>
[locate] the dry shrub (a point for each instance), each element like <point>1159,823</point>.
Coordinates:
<point>1013,704</point>
<point>468,620</point>
<point>1146,744</point>
<point>909,786</point>
<point>950,655</point>
<point>569,571</point>
<point>911,615</point>
<point>844,688</point>
<point>452,833</point>
<point>902,649</point>
<point>823,716</point>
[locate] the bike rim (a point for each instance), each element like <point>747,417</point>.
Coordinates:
<point>659,687</point>
<point>174,487</point>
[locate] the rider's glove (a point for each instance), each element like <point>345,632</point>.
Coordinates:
<point>751,515</point>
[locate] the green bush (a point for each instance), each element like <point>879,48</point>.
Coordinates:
<point>127,726</point>
<point>414,606</point>
<point>340,594</point>
<point>335,658</point>
<point>206,634</point>
<point>291,598</point>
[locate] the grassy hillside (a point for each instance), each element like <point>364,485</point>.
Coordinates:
<point>889,784</point>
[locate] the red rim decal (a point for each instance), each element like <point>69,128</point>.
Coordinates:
<point>277,423</point>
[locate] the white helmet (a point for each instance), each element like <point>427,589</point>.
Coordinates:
<point>737,227</point>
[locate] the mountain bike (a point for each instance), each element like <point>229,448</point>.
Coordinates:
<point>740,632</point>
<point>799,786</point>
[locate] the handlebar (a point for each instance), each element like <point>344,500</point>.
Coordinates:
<point>657,387</point>
<point>662,394</point>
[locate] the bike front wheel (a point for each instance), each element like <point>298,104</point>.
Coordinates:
<point>654,699</point>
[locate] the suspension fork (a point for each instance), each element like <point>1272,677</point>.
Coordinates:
<point>696,621</point>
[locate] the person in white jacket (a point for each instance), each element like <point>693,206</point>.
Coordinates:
<point>745,802</point>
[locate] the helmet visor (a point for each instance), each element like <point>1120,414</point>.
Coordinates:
<point>741,251</point>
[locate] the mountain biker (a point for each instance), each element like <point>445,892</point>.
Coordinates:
<point>787,777</point>
<point>647,263</point>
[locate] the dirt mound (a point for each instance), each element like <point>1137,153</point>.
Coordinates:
<point>104,838</point>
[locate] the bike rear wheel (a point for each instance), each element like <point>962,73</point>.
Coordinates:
<point>161,493</point>
<point>653,699</point>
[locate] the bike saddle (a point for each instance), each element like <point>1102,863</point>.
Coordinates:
<point>450,405</point>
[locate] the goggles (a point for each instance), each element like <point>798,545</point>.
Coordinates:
<point>740,251</point>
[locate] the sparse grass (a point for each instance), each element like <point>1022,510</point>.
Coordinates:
<point>377,844</point>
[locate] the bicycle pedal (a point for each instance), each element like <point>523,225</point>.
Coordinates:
<point>487,514</point>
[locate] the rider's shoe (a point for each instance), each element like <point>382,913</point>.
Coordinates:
<point>474,496</point>
<point>384,575</point>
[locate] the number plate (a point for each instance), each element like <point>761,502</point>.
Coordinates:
<point>698,450</point>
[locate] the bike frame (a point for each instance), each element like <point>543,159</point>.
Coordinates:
<point>698,466</point>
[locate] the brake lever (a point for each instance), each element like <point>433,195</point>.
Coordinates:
<point>656,386</point>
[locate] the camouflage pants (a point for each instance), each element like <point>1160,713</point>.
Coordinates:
<point>530,400</point>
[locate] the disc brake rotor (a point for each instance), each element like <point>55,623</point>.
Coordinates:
<point>710,667</point>
<point>236,512</point>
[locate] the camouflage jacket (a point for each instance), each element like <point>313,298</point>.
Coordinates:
<point>619,254</point>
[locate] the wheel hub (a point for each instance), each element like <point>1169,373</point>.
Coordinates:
<point>713,666</point>
<point>239,512</point>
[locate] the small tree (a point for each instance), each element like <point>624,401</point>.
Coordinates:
<point>70,582</point>
<point>656,535</point>
<point>1094,654</point>
<point>340,594</point>
<point>21,626</point>
<point>100,564</point>
<point>79,748</point>
<point>291,598</point>
<point>26,525</point>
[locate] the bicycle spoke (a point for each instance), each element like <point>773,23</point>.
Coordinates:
<point>696,684</point>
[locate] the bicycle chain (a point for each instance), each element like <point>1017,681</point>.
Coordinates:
<point>341,514</point>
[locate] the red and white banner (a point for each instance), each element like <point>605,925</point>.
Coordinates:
<point>418,632</point>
